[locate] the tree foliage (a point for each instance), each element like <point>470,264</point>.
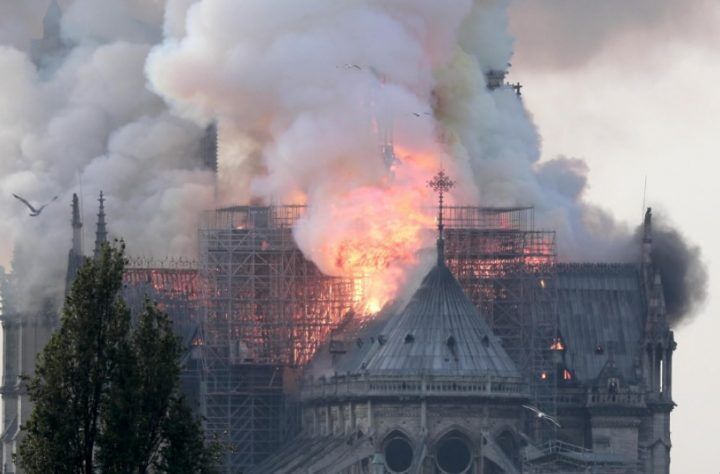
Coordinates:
<point>106,390</point>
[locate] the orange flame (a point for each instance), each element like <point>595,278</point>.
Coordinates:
<point>375,233</point>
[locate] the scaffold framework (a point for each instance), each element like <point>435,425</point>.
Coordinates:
<point>508,270</point>
<point>267,309</point>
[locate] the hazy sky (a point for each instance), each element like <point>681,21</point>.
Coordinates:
<point>637,98</point>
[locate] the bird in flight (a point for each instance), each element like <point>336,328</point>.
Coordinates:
<point>34,212</point>
<point>542,415</point>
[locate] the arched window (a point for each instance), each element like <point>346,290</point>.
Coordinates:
<point>398,453</point>
<point>453,454</point>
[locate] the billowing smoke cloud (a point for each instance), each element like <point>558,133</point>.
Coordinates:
<point>311,93</point>
<point>683,273</point>
<point>88,123</point>
<point>570,33</point>
<point>349,107</point>
<point>307,95</point>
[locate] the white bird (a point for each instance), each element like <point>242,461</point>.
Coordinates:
<point>542,415</point>
<point>34,212</point>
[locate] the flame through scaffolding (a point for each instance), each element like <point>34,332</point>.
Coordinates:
<point>266,308</point>
<point>255,308</point>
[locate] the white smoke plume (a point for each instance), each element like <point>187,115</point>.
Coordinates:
<point>305,94</point>
<point>89,119</point>
<point>299,85</point>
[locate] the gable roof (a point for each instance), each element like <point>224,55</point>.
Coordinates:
<point>600,309</point>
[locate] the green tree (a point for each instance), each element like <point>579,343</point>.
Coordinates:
<point>106,391</point>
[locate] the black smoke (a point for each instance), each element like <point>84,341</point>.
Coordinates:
<point>683,272</point>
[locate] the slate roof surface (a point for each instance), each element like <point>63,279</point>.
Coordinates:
<point>438,333</point>
<point>601,312</point>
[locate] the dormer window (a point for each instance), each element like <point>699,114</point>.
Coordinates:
<point>557,344</point>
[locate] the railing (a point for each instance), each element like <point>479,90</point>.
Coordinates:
<point>619,398</point>
<point>466,217</point>
<point>585,460</point>
<point>421,387</point>
<point>169,263</point>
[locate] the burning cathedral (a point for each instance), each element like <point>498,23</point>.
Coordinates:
<point>503,360</point>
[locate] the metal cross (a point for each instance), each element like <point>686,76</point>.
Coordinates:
<point>517,87</point>
<point>441,183</point>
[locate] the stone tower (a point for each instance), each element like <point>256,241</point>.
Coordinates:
<point>658,345</point>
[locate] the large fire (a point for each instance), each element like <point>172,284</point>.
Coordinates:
<point>375,233</point>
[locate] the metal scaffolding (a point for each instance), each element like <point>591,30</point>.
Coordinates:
<point>508,270</point>
<point>266,308</point>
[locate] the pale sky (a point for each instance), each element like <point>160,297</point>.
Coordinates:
<point>657,116</point>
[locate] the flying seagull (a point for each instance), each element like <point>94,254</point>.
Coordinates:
<point>542,415</point>
<point>34,212</point>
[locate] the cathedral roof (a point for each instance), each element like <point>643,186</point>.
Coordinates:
<point>439,332</point>
<point>600,315</point>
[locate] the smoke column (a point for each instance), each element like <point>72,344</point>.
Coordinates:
<point>297,88</point>
<point>307,94</point>
<point>89,118</point>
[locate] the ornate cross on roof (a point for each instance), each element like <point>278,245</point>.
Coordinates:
<point>441,183</point>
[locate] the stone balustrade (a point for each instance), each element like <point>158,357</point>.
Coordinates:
<point>353,387</point>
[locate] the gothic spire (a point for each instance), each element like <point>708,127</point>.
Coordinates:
<point>76,226</point>
<point>75,256</point>
<point>51,21</point>
<point>441,184</point>
<point>101,231</point>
